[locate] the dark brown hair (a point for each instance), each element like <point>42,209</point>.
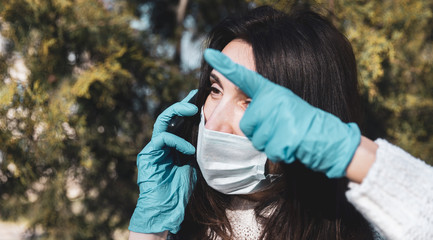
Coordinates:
<point>307,54</point>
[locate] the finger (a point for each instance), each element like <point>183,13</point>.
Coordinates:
<point>190,95</point>
<point>250,82</point>
<point>173,141</point>
<point>177,109</point>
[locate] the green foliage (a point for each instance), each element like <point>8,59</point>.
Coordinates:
<point>72,126</point>
<point>393,42</point>
<point>73,122</point>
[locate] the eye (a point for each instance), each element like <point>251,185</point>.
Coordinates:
<point>215,90</point>
<point>245,103</point>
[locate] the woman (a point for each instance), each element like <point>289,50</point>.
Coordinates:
<point>237,192</point>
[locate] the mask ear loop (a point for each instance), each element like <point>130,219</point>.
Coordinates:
<point>267,167</point>
<point>272,177</point>
<point>202,116</point>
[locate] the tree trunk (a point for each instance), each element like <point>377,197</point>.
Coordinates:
<point>180,16</point>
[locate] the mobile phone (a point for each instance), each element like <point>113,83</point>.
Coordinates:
<point>177,123</point>
<point>182,127</point>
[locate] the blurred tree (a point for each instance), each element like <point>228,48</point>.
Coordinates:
<point>393,44</point>
<point>170,19</point>
<point>79,93</point>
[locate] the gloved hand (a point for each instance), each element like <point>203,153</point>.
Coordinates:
<point>164,187</point>
<point>286,127</point>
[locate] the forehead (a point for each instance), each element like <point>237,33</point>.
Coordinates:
<point>240,52</point>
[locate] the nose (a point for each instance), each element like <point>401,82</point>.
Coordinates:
<point>221,117</point>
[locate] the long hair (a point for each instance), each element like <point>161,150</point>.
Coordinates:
<point>307,54</point>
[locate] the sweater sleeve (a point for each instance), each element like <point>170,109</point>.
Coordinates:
<point>396,196</point>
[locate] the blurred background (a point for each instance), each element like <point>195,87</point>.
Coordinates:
<point>81,82</point>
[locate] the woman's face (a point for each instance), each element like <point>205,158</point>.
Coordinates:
<point>226,103</point>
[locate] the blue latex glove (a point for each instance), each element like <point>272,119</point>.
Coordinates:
<point>164,187</point>
<point>285,126</point>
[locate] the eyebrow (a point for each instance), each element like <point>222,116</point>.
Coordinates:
<point>214,78</point>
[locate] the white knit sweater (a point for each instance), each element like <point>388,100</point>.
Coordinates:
<point>396,197</point>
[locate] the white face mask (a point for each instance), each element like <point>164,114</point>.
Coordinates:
<point>229,163</point>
